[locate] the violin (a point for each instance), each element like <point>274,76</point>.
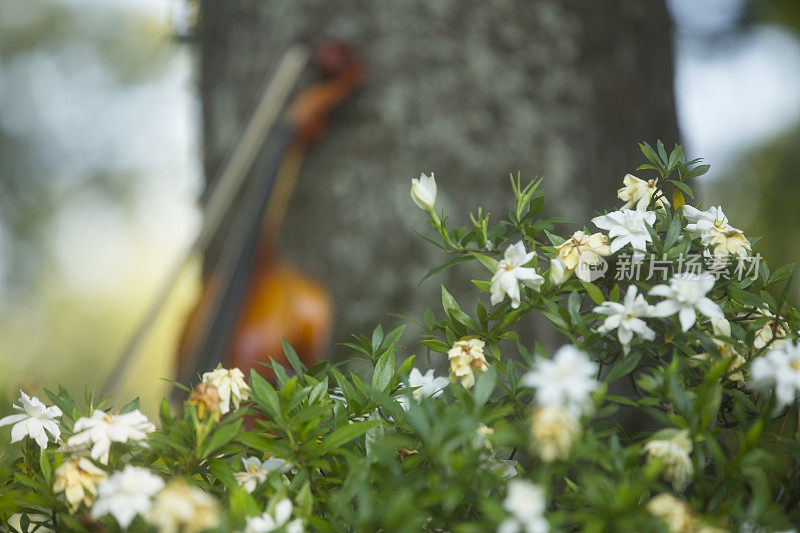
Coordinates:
<point>256,298</point>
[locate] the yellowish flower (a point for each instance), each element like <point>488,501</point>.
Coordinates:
<point>640,193</point>
<point>77,478</point>
<point>582,254</point>
<point>713,230</point>
<point>206,398</point>
<point>183,507</point>
<point>481,438</point>
<point>230,385</point>
<point>771,330</point>
<point>726,350</point>
<point>466,357</point>
<point>677,514</point>
<point>674,455</point>
<point>553,432</point>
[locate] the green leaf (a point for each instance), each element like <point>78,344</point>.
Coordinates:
<point>304,501</point>
<point>489,262</point>
<point>594,292</point>
<point>222,436</point>
<point>483,285</point>
<point>624,366</point>
<point>384,371</point>
<point>451,263</point>
<point>673,232</point>
<point>291,355</point>
<point>407,365</point>
<point>780,273</point>
<point>650,154</point>
<point>264,395</point>
<point>436,345</point>
<point>377,338</point>
<point>453,310</point>
<point>555,239</point>
<point>683,187</point>
<point>44,465</point>
<point>662,152</point>
<point>484,386</point>
<point>391,338</point>
<point>345,434</point>
<point>133,405</point>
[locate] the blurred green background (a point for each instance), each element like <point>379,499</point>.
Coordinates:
<point>100,165</point>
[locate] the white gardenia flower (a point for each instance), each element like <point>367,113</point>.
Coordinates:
<point>626,318</point>
<point>677,514</point>
<point>101,429</point>
<point>674,454</point>
<point>35,421</point>
<point>778,369</point>
<point>510,271</point>
<point>553,432</point>
<point>526,504</point>
<point>685,294</point>
<point>272,522</point>
<point>126,494</point>
<point>713,230</point>
<point>567,380</point>
<point>181,507</point>
<point>256,471</point>
<point>640,193</point>
<point>627,226</point>
<point>582,254</point>
<point>77,478</point>
<point>423,191</point>
<point>425,385</point>
<point>230,385</point>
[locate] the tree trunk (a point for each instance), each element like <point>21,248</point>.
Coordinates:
<point>471,90</point>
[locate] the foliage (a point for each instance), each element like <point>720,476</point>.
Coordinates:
<point>379,449</point>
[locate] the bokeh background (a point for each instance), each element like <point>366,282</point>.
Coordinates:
<point>105,110</point>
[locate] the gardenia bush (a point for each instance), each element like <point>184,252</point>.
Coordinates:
<point>668,404</point>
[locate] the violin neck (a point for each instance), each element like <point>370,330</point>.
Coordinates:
<point>236,262</point>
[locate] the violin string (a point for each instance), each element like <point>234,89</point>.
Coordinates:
<point>227,185</point>
<point>238,255</point>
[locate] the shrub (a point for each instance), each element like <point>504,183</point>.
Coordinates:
<point>669,405</point>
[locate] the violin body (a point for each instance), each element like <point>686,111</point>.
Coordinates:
<point>283,304</point>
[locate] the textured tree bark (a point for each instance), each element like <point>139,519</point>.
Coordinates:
<point>471,90</point>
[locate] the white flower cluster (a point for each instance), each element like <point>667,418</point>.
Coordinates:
<point>426,385</point>
<point>713,230</point>
<point>134,490</point>
<point>97,432</point>
<point>256,471</point>
<point>34,421</point>
<point>627,318</point>
<point>230,385</point>
<point>526,504</point>
<point>779,370</point>
<point>564,386</point>
<point>674,454</point>
<point>277,520</point>
<point>566,381</point>
<point>510,272</point>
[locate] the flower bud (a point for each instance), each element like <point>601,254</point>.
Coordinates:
<point>205,397</point>
<point>423,191</point>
